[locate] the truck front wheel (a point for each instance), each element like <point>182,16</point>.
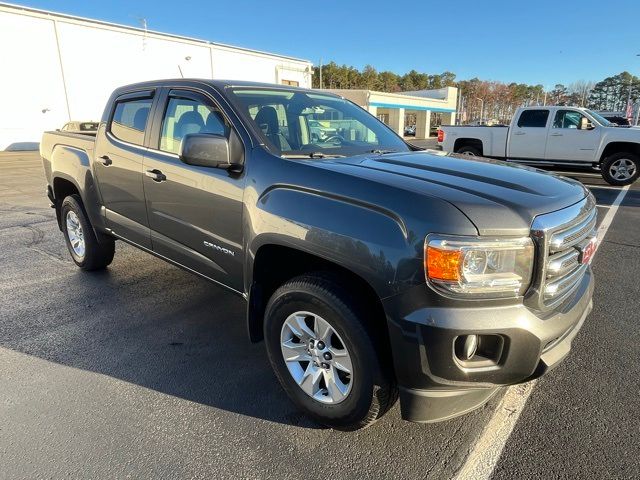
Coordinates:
<point>85,250</point>
<point>621,169</point>
<point>324,355</point>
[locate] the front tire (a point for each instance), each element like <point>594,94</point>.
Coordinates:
<point>621,169</point>
<point>325,356</point>
<point>85,249</point>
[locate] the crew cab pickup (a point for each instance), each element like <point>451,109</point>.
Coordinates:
<point>569,136</point>
<point>369,268</point>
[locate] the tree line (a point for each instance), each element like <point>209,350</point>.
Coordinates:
<point>492,100</point>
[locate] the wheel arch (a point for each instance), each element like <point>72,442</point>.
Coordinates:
<point>619,147</point>
<point>468,142</point>
<point>62,187</point>
<point>275,264</point>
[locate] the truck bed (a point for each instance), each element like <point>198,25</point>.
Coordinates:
<point>57,146</point>
<point>494,138</point>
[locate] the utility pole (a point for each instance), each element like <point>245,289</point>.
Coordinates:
<point>320,66</point>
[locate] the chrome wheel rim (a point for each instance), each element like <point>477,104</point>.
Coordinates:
<point>622,169</point>
<point>316,357</point>
<point>75,234</point>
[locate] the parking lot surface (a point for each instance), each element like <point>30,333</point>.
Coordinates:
<point>146,371</point>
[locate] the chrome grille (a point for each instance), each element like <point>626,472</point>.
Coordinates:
<point>561,237</point>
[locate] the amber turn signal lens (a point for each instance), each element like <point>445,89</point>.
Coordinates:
<point>443,264</point>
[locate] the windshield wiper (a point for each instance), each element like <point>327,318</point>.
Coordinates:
<point>312,155</point>
<point>382,152</point>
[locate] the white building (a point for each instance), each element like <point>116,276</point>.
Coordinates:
<point>422,108</point>
<point>55,68</point>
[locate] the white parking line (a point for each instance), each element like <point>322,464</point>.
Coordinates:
<point>487,451</point>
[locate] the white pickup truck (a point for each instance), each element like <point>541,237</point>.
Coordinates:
<point>569,136</point>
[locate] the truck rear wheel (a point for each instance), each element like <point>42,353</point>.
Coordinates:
<point>85,250</point>
<point>621,169</point>
<point>325,356</point>
<point>469,150</point>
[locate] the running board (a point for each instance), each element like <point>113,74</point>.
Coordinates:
<point>530,161</point>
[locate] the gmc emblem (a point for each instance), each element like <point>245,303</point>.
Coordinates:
<point>586,253</point>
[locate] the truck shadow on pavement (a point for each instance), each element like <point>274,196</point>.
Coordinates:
<point>155,326</point>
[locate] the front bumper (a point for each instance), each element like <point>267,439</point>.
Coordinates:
<point>436,385</point>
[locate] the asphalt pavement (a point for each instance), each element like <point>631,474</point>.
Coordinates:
<point>145,371</point>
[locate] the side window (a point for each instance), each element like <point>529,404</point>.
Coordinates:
<point>130,119</point>
<point>184,116</point>
<point>533,118</point>
<point>567,119</point>
<point>272,119</point>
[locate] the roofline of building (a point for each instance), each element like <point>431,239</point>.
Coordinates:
<point>143,31</point>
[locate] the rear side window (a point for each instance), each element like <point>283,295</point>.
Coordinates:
<point>130,119</point>
<point>533,118</point>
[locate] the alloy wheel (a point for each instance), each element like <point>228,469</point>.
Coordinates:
<point>622,169</point>
<point>75,234</point>
<point>316,357</point>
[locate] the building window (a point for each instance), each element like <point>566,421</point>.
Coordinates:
<point>291,83</point>
<point>384,118</point>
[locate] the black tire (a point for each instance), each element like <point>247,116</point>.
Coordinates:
<point>373,390</point>
<point>608,174</point>
<point>469,150</point>
<point>97,254</point>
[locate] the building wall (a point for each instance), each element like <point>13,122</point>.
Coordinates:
<point>57,68</point>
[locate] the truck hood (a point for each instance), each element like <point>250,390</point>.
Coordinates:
<point>499,198</point>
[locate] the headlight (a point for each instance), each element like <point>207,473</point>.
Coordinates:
<point>476,267</point>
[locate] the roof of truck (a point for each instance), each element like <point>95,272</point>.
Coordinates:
<point>218,84</point>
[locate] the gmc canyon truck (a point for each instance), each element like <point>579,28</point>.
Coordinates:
<point>565,136</point>
<point>369,268</point>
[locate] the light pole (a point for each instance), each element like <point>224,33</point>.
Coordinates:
<point>481,108</point>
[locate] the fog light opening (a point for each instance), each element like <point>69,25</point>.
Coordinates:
<point>466,347</point>
<point>479,351</point>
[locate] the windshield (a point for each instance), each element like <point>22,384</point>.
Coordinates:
<point>298,123</point>
<point>600,119</point>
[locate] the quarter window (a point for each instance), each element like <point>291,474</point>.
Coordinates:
<point>185,116</point>
<point>130,119</point>
<point>533,119</point>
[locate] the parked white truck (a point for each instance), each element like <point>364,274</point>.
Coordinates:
<point>569,136</point>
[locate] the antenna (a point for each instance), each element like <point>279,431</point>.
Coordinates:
<point>143,24</point>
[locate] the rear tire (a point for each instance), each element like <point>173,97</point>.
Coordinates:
<point>366,393</point>
<point>621,168</point>
<point>85,249</point>
<point>469,150</point>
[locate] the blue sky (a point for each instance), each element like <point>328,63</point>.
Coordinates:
<point>543,41</point>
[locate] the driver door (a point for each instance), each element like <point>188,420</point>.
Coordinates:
<point>567,142</point>
<point>195,213</point>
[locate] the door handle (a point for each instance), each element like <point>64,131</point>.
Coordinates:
<point>519,133</point>
<point>556,135</point>
<point>156,175</point>
<point>105,160</point>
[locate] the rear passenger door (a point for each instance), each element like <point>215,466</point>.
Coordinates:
<point>528,137</point>
<point>117,166</point>
<point>195,213</point>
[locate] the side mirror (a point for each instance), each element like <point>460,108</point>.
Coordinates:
<point>205,150</point>
<point>585,124</point>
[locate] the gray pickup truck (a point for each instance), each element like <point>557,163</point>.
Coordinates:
<point>371,269</point>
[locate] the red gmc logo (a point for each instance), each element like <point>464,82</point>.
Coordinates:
<point>589,249</point>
